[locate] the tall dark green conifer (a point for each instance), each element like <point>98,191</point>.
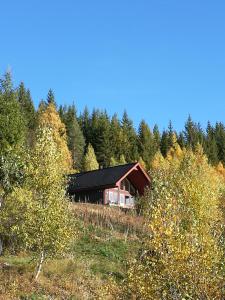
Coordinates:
<point>100,137</point>
<point>27,110</point>
<point>220,141</point>
<point>12,125</point>
<point>85,124</point>
<point>164,144</point>
<point>51,97</point>
<point>75,136</point>
<point>115,138</point>
<point>146,143</point>
<point>191,133</point>
<point>211,148</point>
<point>129,143</point>
<point>157,137</point>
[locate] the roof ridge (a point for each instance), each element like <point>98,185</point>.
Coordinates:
<point>85,172</point>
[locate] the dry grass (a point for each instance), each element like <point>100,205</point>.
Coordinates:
<point>60,279</point>
<point>108,239</point>
<point>109,217</point>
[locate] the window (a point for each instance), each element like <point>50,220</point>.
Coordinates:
<point>122,199</point>
<point>113,197</point>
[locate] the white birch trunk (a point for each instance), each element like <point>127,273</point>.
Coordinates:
<point>40,265</point>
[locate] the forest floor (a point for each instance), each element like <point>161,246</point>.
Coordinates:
<point>108,240</point>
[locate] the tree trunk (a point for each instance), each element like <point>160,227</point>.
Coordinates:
<point>40,265</point>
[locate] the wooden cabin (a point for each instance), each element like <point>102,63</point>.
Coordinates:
<point>116,186</point>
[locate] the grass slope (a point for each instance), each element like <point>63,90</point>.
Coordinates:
<point>107,241</point>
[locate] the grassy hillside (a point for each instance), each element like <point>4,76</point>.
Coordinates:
<point>108,239</point>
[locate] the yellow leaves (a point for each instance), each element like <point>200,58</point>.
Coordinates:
<point>184,224</point>
<point>90,161</point>
<point>50,118</point>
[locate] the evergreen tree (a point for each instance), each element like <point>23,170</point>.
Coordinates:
<point>211,145</point>
<point>90,161</point>
<point>115,137</point>
<point>181,140</point>
<point>27,110</point>
<point>129,143</point>
<point>85,124</point>
<point>51,97</point>
<point>170,134</point>
<point>156,137</point>
<point>12,127</point>
<point>164,144</point>
<point>100,137</point>
<point>191,133</point>
<point>220,141</point>
<point>146,143</point>
<point>75,136</point>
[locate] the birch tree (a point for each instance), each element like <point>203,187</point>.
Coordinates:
<point>41,220</point>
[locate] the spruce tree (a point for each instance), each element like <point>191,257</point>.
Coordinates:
<point>129,143</point>
<point>27,110</point>
<point>156,137</point>
<point>85,124</point>
<point>75,136</point>
<point>164,144</point>
<point>191,133</point>
<point>51,97</point>
<point>211,145</point>
<point>12,125</point>
<point>220,141</point>
<point>146,143</point>
<point>115,137</point>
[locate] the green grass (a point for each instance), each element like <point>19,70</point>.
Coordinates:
<point>98,253</point>
<point>108,254</point>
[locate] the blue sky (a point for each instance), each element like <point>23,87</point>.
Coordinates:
<point>159,60</point>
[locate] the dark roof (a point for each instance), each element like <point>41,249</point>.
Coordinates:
<point>98,178</point>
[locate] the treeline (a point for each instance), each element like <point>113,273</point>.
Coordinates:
<point>96,139</point>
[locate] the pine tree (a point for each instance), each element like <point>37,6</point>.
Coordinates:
<point>90,161</point>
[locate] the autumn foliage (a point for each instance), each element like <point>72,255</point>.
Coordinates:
<point>181,257</point>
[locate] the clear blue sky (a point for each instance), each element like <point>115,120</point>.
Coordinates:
<point>159,60</point>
